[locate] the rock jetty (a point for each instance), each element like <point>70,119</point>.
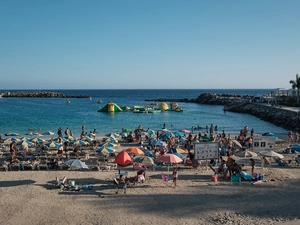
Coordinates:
<point>38,94</point>
<point>244,104</point>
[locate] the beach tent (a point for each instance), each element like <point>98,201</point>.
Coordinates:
<point>110,107</point>
<point>123,159</point>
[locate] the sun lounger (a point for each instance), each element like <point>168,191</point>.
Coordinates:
<point>297,159</point>
<point>3,165</point>
<point>280,162</point>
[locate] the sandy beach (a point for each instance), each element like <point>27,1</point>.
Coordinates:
<point>29,197</point>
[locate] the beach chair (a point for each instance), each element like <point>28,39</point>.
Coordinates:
<point>280,162</point>
<point>119,185</point>
<point>3,165</point>
<point>43,164</point>
<point>94,164</point>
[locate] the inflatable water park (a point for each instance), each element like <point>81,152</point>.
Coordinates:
<point>153,108</point>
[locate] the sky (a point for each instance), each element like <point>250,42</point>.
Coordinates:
<point>140,44</point>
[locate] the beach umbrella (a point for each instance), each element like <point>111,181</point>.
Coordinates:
<point>105,150</point>
<point>76,163</point>
<point>37,140</point>
<point>113,135</point>
<point>126,130</point>
<point>30,134</point>
<point>24,139</point>
<point>145,160</point>
<point>237,143</point>
<point>166,135</point>
<point>178,134</point>
<point>271,154</point>
<point>135,150</point>
<point>52,144</point>
<point>158,143</point>
<point>295,148</point>
<point>180,150</point>
<point>60,139</point>
<point>37,134</point>
<point>245,154</point>
<point>151,133</point>
<point>12,134</point>
<point>169,158</point>
<point>48,133</point>
<point>79,142</point>
<point>123,159</point>
<point>148,153</point>
<point>270,135</point>
<point>11,139</point>
<point>87,139</point>
<point>69,137</point>
<point>107,144</point>
<point>24,143</point>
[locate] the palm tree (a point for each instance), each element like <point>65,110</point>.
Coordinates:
<point>296,85</point>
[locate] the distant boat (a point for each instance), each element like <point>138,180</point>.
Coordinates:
<point>68,101</point>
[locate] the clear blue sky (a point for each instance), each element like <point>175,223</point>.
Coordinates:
<point>104,44</point>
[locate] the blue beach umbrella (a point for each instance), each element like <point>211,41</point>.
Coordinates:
<point>105,150</point>
<point>178,134</point>
<point>12,134</point>
<point>62,139</point>
<point>48,133</point>
<point>12,139</point>
<point>24,143</point>
<point>270,135</point>
<point>158,143</point>
<point>79,142</point>
<point>148,153</point>
<point>166,135</point>
<point>107,144</point>
<point>37,140</point>
<point>52,144</point>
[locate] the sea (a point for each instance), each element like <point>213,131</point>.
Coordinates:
<point>24,115</point>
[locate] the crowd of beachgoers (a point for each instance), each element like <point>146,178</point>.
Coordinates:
<point>151,196</point>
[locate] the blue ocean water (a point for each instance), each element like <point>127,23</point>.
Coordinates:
<point>48,114</point>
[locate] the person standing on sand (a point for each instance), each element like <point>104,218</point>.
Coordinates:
<point>12,149</point>
<point>175,176</point>
<point>252,166</point>
<point>290,136</point>
<point>229,164</point>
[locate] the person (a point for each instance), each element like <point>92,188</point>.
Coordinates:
<point>65,149</point>
<point>223,168</point>
<point>67,131</point>
<point>175,176</point>
<point>12,149</point>
<point>121,184</point>
<point>141,177</point>
<point>60,183</point>
<point>237,169</point>
<point>229,164</point>
<point>252,166</point>
<point>290,136</point>
<point>71,133</point>
<point>252,132</point>
<point>59,132</point>
<point>60,150</point>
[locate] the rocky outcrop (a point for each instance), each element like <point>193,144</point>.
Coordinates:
<point>38,94</point>
<point>276,115</point>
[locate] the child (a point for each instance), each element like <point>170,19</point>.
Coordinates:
<point>175,176</point>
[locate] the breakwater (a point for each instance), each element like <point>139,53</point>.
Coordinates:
<point>38,94</point>
<point>246,104</point>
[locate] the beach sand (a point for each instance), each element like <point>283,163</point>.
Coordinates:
<point>29,197</point>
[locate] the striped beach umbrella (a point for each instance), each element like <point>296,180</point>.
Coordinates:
<point>79,142</point>
<point>52,144</point>
<point>48,133</point>
<point>105,150</point>
<point>11,139</point>
<point>24,143</point>
<point>12,134</point>
<point>37,140</point>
